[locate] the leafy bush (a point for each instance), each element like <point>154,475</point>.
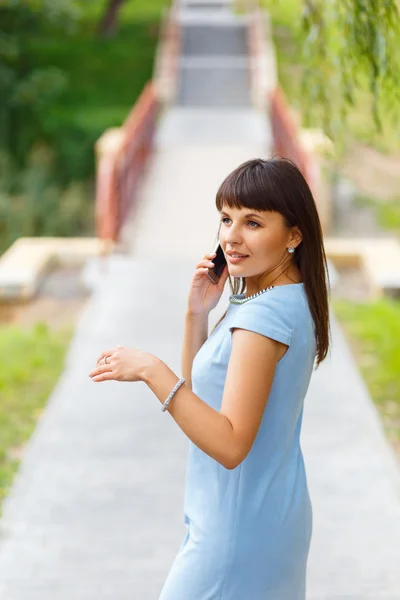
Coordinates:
<point>63,85</point>
<point>28,89</point>
<point>32,203</point>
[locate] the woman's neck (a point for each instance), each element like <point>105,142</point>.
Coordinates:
<point>290,276</point>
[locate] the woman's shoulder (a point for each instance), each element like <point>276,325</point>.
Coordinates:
<point>287,303</point>
<point>281,298</point>
<point>272,312</point>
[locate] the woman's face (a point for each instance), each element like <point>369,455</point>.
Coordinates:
<point>260,235</point>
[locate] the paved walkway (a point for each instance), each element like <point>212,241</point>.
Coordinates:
<point>96,512</point>
<point>354,484</point>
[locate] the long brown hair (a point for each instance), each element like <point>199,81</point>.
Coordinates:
<point>278,185</point>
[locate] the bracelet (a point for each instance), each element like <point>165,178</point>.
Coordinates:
<point>168,400</point>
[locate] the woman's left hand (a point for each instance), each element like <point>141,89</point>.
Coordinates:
<point>121,364</point>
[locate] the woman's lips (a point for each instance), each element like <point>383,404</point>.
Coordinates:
<point>235,261</point>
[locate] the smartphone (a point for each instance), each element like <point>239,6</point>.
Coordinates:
<point>219,264</point>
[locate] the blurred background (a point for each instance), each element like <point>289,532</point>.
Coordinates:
<point>109,108</point>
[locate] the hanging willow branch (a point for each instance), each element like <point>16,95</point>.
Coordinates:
<point>350,44</point>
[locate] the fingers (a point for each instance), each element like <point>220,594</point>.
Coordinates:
<point>105,353</point>
<point>205,264</point>
<point>104,371</point>
<point>109,376</point>
<point>100,370</point>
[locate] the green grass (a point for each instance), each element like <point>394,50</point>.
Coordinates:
<point>389,215</point>
<point>373,330</point>
<point>31,362</point>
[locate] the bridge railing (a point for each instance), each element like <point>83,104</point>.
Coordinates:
<point>307,148</point>
<point>123,152</point>
<point>167,55</point>
<point>289,140</point>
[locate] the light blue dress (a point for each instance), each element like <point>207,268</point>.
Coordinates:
<point>249,528</point>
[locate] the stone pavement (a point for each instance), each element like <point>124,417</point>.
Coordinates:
<point>96,511</point>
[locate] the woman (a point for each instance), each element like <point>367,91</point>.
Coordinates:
<point>247,506</point>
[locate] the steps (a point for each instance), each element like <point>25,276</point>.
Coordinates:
<point>213,69</point>
<point>227,39</point>
<point>213,82</point>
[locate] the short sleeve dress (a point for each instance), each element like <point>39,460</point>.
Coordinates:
<point>249,528</point>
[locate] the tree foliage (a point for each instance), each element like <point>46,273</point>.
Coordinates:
<point>347,45</point>
<point>351,45</point>
<point>27,90</point>
<point>109,20</point>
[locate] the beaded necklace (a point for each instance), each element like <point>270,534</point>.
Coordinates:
<point>235,298</point>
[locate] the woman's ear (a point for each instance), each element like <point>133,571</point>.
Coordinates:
<point>297,237</point>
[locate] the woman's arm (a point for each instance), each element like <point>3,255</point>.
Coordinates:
<point>195,334</point>
<point>208,429</point>
<point>228,435</point>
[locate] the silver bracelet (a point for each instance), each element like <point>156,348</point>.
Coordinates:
<point>168,400</point>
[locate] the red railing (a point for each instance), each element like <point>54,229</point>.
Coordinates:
<point>122,156</point>
<point>167,55</point>
<point>262,67</point>
<point>287,142</point>
<point>267,94</point>
<point>122,153</point>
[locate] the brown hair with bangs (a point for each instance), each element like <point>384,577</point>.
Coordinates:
<point>278,185</point>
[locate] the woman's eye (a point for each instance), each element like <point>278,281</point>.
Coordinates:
<point>227,219</point>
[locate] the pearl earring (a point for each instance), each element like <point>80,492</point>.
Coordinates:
<point>290,249</point>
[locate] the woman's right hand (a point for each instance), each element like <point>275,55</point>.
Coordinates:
<point>203,294</point>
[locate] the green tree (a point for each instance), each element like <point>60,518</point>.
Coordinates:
<point>27,90</point>
<point>109,20</point>
<point>347,45</point>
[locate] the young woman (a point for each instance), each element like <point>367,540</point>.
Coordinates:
<point>247,506</point>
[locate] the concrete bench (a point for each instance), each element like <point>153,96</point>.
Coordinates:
<point>23,265</point>
<point>379,259</point>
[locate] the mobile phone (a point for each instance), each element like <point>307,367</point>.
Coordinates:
<point>219,264</point>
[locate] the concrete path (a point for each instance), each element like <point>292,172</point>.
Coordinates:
<point>354,484</point>
<point>196,148</point>
<point>96,511</point>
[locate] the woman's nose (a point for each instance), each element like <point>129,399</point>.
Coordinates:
<point>233,236</point>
